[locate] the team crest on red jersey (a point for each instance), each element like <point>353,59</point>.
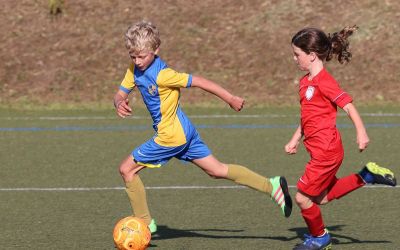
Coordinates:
<point>310,92</point>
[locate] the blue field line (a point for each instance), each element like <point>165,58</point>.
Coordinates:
<point>192,116</point>
<point>200,126</point>
<point>76,128</point>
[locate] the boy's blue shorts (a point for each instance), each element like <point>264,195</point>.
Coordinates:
<point>151,154</point>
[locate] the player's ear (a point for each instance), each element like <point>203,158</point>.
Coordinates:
<point>156,51</point>
<point>313,56</point>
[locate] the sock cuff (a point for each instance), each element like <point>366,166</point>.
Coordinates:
<point>311,210</point>
<point>234,171</point>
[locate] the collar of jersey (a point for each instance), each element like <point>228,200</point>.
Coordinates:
<point>315,80</point>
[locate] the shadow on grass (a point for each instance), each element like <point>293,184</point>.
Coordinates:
<point>165,232</point>
<point>338,239</point>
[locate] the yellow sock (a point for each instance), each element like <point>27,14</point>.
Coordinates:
<point>137,197</point>
<point>244,176</point>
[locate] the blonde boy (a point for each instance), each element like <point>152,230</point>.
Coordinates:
<point>175,135</point>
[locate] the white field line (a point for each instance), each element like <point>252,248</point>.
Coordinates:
<point>148,188</point>
<point>190,116</point>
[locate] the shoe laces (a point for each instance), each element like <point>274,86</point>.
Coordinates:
<point>308,240</point>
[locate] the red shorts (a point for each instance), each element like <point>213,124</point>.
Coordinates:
<point>320,172</point>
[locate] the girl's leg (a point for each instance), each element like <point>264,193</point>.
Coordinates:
<point>343,186</point>
<point>371,173</point>
<point>311,214</point>
<point>135,188</point>
<point>319,238</point>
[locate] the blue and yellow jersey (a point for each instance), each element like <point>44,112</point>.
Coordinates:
<point>160,90</point>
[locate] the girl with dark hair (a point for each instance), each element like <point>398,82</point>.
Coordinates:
<point>320,95</point>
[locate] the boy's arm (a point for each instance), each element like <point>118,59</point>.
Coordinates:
<point>121,102</point>
<point>235,102</point>
<point>291,146</point>
<point>362,137</point>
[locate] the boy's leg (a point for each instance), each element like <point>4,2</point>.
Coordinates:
<point>137,197</point>
<point>135,189</point>
<point>276,187</point>
<point>244,176</point>
<point>236,173</point>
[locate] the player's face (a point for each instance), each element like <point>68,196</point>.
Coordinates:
<point>302,59</point>
<point>143,59</point>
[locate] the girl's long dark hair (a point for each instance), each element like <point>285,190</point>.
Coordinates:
<point>325,46</point>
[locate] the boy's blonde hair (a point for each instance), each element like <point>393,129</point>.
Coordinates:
<point>142,36</point>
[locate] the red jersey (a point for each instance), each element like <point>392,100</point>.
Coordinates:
<point>319,99</point>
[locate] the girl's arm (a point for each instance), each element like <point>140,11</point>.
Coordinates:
<point>362,136</point>
<point>291,146</point>
<point>234,102</point>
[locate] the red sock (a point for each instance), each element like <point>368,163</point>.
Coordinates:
<point>344,186</point>
<point>313,218</point>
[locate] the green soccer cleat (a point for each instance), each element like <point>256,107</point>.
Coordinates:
<point>280,194</point>
<point>374,174</point>
<point>152,226</point>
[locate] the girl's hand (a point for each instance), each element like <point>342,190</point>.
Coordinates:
<point>362,141</point>
<point>236,103</point>
<point>291,147</point>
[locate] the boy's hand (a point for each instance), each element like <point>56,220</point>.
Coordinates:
<point>123,109</point>
<point>236,103</point>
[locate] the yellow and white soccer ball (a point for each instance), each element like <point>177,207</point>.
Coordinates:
<point>131,233</point>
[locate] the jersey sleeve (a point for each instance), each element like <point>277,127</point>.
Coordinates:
<point>128,83</point>
<point>172,79</point>
<point>334,93</point>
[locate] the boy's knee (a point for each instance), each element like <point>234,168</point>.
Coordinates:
<point>123,170</point>
<point>127,167</point>
<point>215,174</point>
